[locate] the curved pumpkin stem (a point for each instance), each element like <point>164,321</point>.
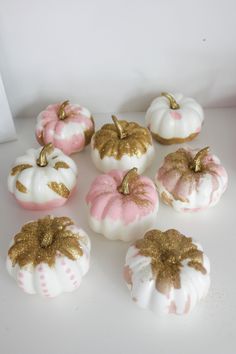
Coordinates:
<point>124,187</point>
<point>61,112</point>
<point>119,128</point>
<point>196,164</point>
<point>42,159</point>
<point>172,101</point>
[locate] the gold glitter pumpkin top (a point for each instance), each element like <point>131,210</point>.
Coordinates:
<point>122,138</point>
<point>168,250</point>
<point>40,241</point>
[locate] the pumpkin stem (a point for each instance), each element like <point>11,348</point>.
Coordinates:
<point>172,101</point>
<point>196,164</point>
<point>42,159</point>
<point>124,187</point>
<point>61,112</point>
<point>119,128</point>
<point>47,239</point>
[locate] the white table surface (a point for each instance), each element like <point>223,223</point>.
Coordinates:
<point>100,317</point>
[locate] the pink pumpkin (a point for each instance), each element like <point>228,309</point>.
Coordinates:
<point>68,126</point>
<point>122,205</point>
<point>191,179</point>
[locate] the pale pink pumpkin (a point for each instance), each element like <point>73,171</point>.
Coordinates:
<point>191,180</point>
<point>122,205</point>
<point>68,126</point>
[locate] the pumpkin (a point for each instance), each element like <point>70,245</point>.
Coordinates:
<point>122,205</point>
<point>191,179</point>
<point>68,126</point>
<point>43,178</point>
<point>49,256</point>
<point>166,272</point>
<point>122,145</point>
<point>174,119</point>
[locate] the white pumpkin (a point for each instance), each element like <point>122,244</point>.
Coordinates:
<point>121,146</point>
<point>174,119</point>
<point>43,178</point>
<point>49,256</point>
<point>167,272</point>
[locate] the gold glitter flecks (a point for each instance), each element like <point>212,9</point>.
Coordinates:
<point>134,140</point>
<point>89,133</point>
<point>40,241</point>
<point>19,168</point>
<point>166,199</point>
<point>180,163</point>
<point>168,250</point>
<point>61,164</point>
<point>20,187</point>
<point>59,188</point>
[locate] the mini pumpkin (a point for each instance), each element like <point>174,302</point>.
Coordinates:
<point>49,256</point>
<point>43,178</point>
<point>68,126</point>
<point>122,205</point>
<point>167,272</point>
<point>122,145</point>
<point>174,119</point>
<point>191,179</point>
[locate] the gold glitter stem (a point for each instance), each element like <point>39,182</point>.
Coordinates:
<point>118,126</point>
<point>196,164</point>
<point>61,112</point>
<point>172,101</point>
<point>124,187</point>
<point>42,159</point>
<point>47,239</point>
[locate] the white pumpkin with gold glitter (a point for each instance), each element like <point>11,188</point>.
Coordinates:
<point>174,119</point>
<point>191,180</point>
<point>43,178</point>
<point>122,145</point>
<point>167,272</point>
<point>49,256</point>
<point>122,205</point>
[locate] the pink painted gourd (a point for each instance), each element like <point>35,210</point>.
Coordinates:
<point>191,179</point>
<point>122,205</point>
<point>68,126</point>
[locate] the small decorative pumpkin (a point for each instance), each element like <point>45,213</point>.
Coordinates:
<point>68,126</point>
<point>167,272</point>
<point>49,256</point>
<point>191,180</point>
<point>122,205</point>
<point>122,145</point>
<point>174,119</point>
<point>43,178</point>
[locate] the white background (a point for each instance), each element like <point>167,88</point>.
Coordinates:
<point>116,55</point>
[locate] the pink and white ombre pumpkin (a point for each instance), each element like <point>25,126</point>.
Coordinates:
<point>43,178</point>
<point>167,272</point>
<point>174,119</point>
<point>68,126</point>
<point>49,256</point>
<point>122,205</point>
<point>191,179</point>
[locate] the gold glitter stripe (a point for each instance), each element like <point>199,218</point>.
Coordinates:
<point>19,168</point>
<point>20,187</point>
<point>61,164</point>
<point>59,188</point>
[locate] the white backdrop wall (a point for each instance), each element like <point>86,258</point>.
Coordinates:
<point>116,55</point>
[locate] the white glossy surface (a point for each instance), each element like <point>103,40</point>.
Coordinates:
<point>100,317</point>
